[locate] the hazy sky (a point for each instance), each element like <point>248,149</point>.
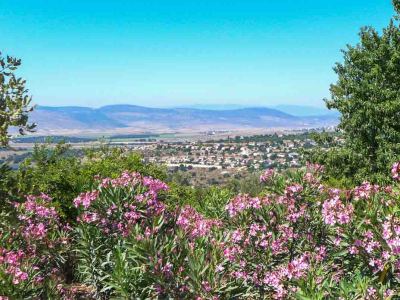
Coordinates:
<point>165,53</point>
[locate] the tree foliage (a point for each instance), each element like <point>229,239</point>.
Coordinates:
<point>367,96</point>
<point>14,100</point>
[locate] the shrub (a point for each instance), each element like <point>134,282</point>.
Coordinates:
<point>130,245</point>
<point>33,250</point>
<point>63,173</point>
<point>305,240</point>
<point>297,239</point>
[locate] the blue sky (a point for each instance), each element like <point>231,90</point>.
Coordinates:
<point>173,53</point>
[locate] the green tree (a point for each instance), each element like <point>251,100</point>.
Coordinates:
<point>14,100</point>
<point>367,94</point>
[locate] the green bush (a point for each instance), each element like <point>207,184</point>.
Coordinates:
<point>63,173</point>
<point>297,239</point>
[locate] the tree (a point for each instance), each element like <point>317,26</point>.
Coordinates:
<point>396,4</point>
<point>14,100</point>
<point>367,94</point>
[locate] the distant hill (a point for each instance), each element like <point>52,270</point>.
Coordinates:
<point>295,110</point>
<point>303,110</point>
<point>146,119</point>
<point>215,106</point>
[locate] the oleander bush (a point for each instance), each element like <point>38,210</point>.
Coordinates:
<point>297,239</point>
<point>63,173</point>
<point>33,250</point>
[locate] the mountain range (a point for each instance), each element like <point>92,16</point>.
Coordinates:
<point>132,118</point>
<point>295,110</point>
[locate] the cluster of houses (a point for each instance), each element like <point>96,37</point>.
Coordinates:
<point>251,155</point>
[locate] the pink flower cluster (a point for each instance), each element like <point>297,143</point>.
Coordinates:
<point>38,206</point>
<point>335,212</point>
<point>243,202</point>
<point>295,269</point>
<point>365,190</point>
<point>194,224</point>
<point>267,175</point>
<point>37,216</point>
<point>126,179</point>
<point>27,255</point>
<point>246,246</point>
<point>12,263</point>
<point>140,202</point>
<point>154,185</point>
<point>382,248</point>
<point>85,199</point>
<point>40,229</point>
<point>396,171</point>
<point>310,178</point>
<point>391,234</point>
<point>293,190</point>
<point>258,272</point>
<point>371,248</point>
<point>132,179</point>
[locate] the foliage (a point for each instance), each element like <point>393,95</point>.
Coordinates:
<point>208,201</point>
<point>147,253</point>
<point>343,167</point>
<point>33,249</point>
<point>5,171</point>
<point>63,173</point>
<point>14,100</point>
<point>248,185</point>
<point>297,239</point>
<point>367,96</point>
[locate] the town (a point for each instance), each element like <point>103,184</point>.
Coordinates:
<point>195,161</point>
<point>217,161</point>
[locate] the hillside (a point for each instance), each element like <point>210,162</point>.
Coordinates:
<point>146,119</point>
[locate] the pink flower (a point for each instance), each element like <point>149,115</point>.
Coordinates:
<point>85,199</point>
<point>396,171</point>
<point>167,269</point>
<point>371,292</point>
<point>219,268</point>
<point>311,179</point>
<point>154,185</point>
<point>18,275</point>
<point>365,190</point>
<point>194,224</point>
<point>297,268</point>
<point>231,252</point>
<point>267,175</point>
<point>244,202</point>
<point>206,286</point>
<point>126,179</point>
<point>353,250</point>
<point>35,231</point>
<point>237,236</point>
<point>388,293</point>
<point>335,212</point>
<point>89,217</point>
<point>293,189</point>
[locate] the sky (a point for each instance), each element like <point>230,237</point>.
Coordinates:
<point>176,53</point>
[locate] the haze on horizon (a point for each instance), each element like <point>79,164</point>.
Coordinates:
<point>174,53</point>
